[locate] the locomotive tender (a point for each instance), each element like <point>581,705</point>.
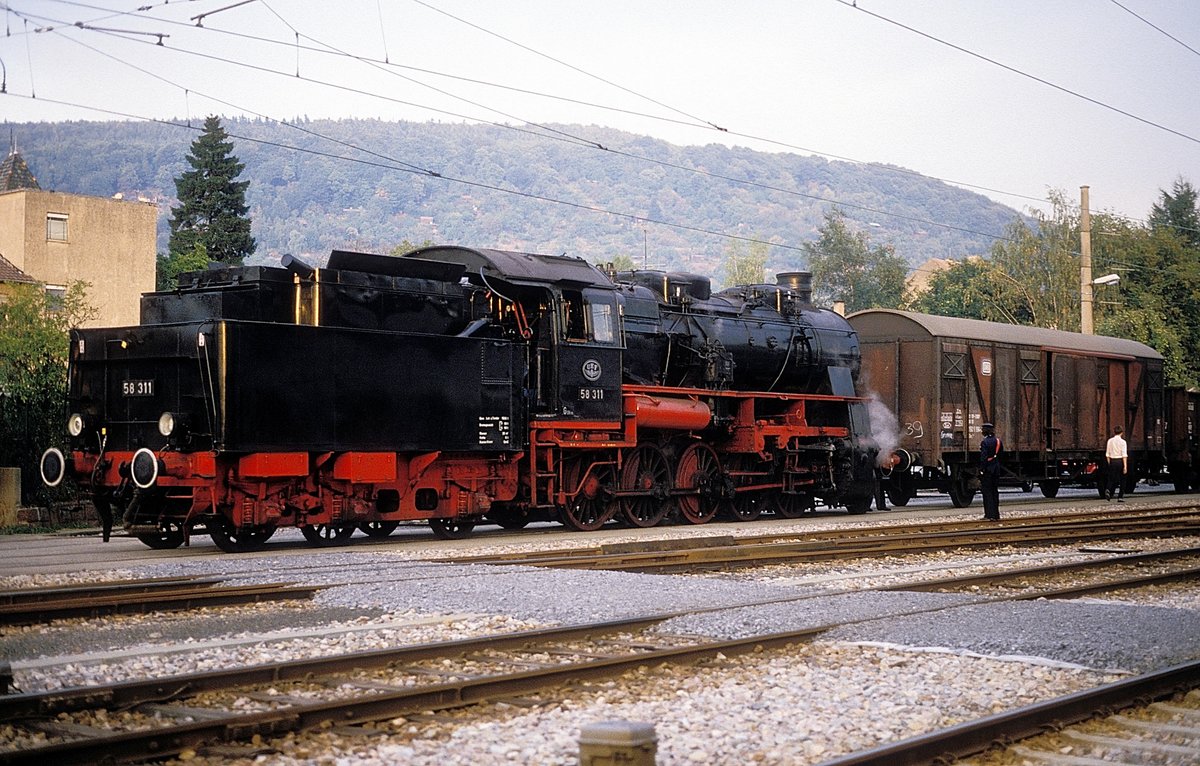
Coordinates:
<point>455,385</point>
<point>1054,397</point>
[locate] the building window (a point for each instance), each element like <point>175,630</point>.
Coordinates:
<point>56,297</point>
<point>56,227</point>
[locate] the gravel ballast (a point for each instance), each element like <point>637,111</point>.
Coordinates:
<point>947,659</point>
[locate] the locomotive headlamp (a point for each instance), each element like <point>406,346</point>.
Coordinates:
<point>143,469</point>
<point>53,467</point>
<point>166,423</point>
<point>75,424</point>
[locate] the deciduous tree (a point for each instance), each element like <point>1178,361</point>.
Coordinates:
<point>34,344</point>
<point>743,265</point>
<point>845,266</point>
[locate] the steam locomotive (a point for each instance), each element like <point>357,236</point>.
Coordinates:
<point>456,386</point>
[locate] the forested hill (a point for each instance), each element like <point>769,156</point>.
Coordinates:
<point>363,184</point>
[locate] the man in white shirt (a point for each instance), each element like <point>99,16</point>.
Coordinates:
<point>1117,454</point>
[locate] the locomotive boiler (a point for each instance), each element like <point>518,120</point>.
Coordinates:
<point>456,385</point>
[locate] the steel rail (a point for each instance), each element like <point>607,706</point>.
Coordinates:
<point>30,614</point>
<point>778,552</point>
<point>127,694</point>
<point>149,585</point>
<point>1047,569</point>
<point>172,740</point>
<point>840,534</point>
<point>975,737</point>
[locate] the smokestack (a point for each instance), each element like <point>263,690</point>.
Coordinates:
<point>797,281</point>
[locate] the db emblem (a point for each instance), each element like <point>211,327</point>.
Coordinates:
<point>591,370</point>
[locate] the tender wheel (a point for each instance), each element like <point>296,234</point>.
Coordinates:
<point>378,529</point>
<point>508,518</point>
<point>169,535</point>
<point>646,472</point>
<point>1050,489</point>
<point>961,494</point>
<point>233,540</point>
<point>593,505</point>
<point>791,506</point>
<point>325,535</point>
<point>451,529</point>
<point>699,473</point>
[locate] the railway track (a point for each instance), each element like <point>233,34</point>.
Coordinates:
<point>1138,731</point>
<point>36,605</point>
<point>728,551</point>
<point>167,716</point>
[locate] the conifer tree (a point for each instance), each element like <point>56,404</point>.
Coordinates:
<point>211,216</point>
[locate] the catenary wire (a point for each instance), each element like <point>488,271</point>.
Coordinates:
<point>334,51</point>
<point>705,125</point>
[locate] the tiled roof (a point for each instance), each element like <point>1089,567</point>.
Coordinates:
<point>10,273</point>
<point>15,174</point>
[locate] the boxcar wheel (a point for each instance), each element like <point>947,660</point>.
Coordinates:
<point>378,529</point>
<point>961,494</point>
<point>898,494</point>
<point>451,529</point>
<point>169,535</point>
<point>324,535</point>
<point>1050,489</point>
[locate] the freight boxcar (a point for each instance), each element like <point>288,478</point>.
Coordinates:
<point>1183,437</point>
<point>1054,397</point>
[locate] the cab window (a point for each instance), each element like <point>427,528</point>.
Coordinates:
<point>603,323</point>
<point>590,315</point>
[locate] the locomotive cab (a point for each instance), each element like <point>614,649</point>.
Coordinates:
<point>567,311</point>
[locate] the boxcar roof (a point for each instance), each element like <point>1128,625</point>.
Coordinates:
<point>519,268</point>
<point>873,324</point>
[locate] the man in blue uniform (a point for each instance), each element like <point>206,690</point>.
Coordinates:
<point>989,472</point>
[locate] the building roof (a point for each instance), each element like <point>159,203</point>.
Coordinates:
<point>10,273</point>
<point>15,174</point>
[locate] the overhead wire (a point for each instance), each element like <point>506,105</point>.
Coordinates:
<point>334,51</point>
<point>1151,24</point>
<point>660,162</point>
<point>853,4</point>
<point>706,125</point>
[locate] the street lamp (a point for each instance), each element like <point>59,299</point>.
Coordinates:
<point>1107,279</point>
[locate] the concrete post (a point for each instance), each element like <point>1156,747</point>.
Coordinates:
<point>617,743</point>
<point>1085,264</point>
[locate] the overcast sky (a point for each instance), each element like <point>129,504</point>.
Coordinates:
<point>806,76</point>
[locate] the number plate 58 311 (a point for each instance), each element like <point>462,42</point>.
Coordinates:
<point>137,388</point>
